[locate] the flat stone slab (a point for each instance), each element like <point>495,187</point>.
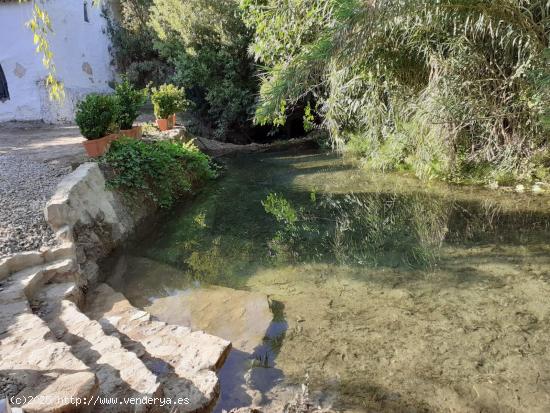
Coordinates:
<point>241,317</point>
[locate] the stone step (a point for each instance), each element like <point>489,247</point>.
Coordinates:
<point>24,284</point>
<point>120,372</point>
<point>40,372</point>
<point>185,360</point>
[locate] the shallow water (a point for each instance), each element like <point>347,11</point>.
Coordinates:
<point>389,294</point>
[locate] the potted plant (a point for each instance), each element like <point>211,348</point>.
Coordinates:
<point>129,101</point>
<point>95,116</point>
<point>167,100</point>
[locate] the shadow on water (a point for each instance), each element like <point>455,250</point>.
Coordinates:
<point>246,377</point>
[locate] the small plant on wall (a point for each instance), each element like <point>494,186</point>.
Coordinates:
<point>96,117</point>
<point>129,101</point>
<point>167,100</point>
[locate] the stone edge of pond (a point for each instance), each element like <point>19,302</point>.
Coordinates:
<point>89,221</point>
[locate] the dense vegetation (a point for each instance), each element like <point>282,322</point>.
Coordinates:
<point>162,171</point>
<point>455,89</point>
<point>199,44</point>
<point>451,88</point>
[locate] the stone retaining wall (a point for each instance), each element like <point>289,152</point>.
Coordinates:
<point>89,221</point>
<point>84,213</point>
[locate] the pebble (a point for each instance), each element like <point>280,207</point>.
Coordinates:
<point>537,188</point>
<point>25,187</point>
<point>520,188</point>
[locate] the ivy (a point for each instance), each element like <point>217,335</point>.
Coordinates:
<point>162,171</point>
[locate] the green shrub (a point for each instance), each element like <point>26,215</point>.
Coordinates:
<point>167,100</point>
<point>207,43</point>
<point>162,171</point>
<point>280,208</point>
<point>96,115</point>
<point>129,101</point>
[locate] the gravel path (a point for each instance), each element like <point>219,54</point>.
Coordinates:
<point>26,187</point>
<point>33,159</point>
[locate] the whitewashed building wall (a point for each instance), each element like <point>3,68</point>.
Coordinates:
<point>81,54</point>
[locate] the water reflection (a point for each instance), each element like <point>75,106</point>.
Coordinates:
<point>370,229</point>
<point>360,229</point>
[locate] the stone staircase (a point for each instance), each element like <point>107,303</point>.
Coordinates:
<point>120,373</point>
<point>185,360</point>
<point>32,362</point>
<point>51,351</point>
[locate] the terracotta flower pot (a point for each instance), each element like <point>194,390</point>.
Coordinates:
<point>173,120</point>
<point>164,124</point>
<point>97,147</point>
<point>135,132</point>
<point>112,137</point>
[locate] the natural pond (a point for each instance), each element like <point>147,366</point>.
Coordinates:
<point>385,293</point>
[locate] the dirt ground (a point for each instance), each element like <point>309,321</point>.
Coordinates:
<point>37,141</point>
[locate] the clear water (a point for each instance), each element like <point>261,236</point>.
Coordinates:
<point>388,294</point>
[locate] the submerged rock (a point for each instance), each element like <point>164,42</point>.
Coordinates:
<point>241,317</point>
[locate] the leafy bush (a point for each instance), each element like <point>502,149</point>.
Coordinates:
<point>162,171</point>
<point>280,208</point>
<point>129,101</point>
<point>167,100</point>
<point>207,43</point>
<point>96,115</point>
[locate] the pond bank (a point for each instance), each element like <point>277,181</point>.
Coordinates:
<point>51,350</point>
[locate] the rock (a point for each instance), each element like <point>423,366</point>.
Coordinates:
<point>537,189</point>
<point>241,317</point>
<point>85,212</point>
<point>80,385</point>
<point>519,188</point>
<point>80,197</point>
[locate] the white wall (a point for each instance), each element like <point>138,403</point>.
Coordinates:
<point>81,54</point>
